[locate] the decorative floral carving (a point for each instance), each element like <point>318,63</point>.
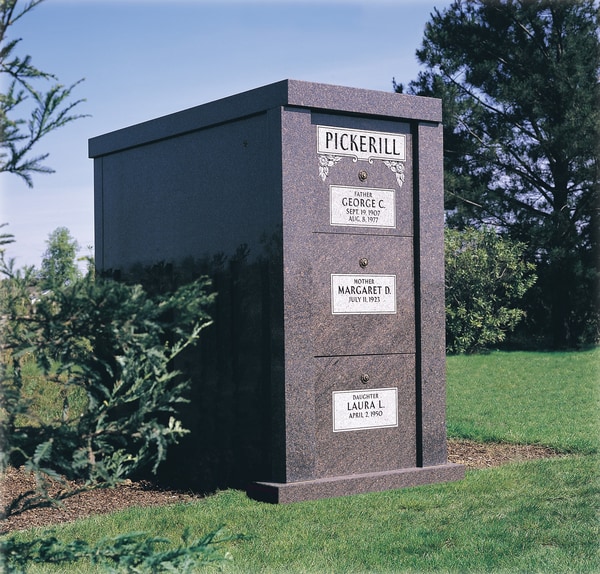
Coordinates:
<point>325,162</point>
<point>397,167</point>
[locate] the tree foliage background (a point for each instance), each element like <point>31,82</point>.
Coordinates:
<point>486,278</point>
<point>59,262</point>
<point>520,87</point>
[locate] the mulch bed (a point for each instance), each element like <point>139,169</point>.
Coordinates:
<point>100,501</point>
<point>143,494</point>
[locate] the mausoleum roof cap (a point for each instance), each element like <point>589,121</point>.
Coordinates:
<point>293,93</point>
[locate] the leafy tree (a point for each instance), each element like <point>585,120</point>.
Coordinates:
<point>102,403</point>
<point>59,264</point>
<point>520,87</point>
<point>29,110</point>
<point>486,278</point>
<point>106,353</point>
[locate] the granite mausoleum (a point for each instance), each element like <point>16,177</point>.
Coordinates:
<point>318,212</point>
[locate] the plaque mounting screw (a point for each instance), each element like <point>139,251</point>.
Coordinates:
<point>362,175</point>
<point>364,378</point>
<point>363,262</point>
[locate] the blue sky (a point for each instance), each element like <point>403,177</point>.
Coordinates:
<point>143,59</point>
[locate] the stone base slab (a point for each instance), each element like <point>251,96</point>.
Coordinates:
<point>280,493</point>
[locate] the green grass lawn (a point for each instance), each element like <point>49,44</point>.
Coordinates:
<point>534,516</point>
<point>552,399</point>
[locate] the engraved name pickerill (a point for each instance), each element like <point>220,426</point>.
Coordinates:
<point>333,144</point>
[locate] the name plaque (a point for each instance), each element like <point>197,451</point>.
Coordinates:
<point>365,409</point>
<point>362,207</point>
<point>360,144</point>
<point>363,294</point>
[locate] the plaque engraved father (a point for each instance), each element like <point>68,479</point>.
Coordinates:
<point>362,207</point>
